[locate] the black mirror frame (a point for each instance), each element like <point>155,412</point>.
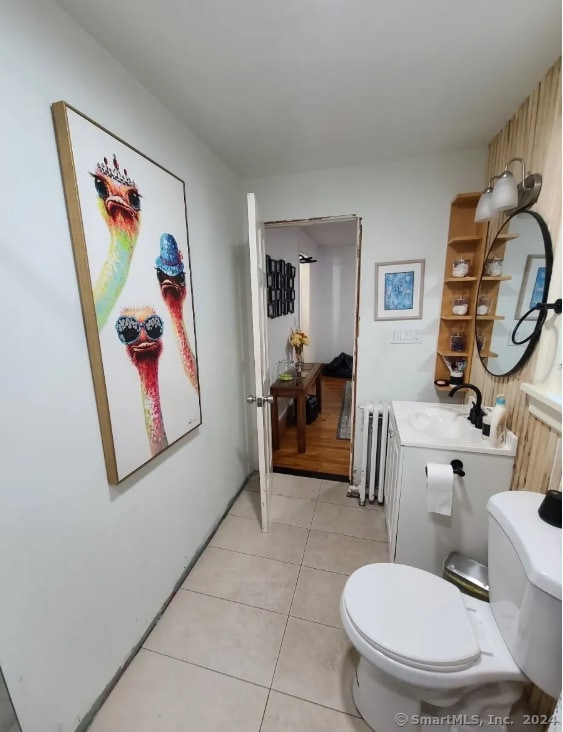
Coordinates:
<point>549,269</point>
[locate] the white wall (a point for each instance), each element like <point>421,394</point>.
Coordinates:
<point>84,567</point>
<point>405,208</point>
<point>334,301</point>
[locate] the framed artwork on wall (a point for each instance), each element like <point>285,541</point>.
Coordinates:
<point>399,288</point>
<point>129,232</point>
<point>280,282</point>
<point>532,287</point>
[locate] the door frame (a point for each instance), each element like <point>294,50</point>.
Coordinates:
<point>329,219</point>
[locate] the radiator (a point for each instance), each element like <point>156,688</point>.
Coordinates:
<point>374,451</point>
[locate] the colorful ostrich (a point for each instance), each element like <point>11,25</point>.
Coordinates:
<point>120,205</point>
<point>140,330</point>
<point>172,280</point>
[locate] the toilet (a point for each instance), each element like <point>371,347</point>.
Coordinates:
<point>432,656</point>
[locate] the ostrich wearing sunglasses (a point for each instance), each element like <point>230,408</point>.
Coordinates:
<point>140,330</point>
<point>119,202</point>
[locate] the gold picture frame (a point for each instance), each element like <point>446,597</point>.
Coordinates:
<point>129,231</point>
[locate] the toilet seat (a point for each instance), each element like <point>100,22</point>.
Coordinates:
<point>366,602</point>
<point>412,616</point>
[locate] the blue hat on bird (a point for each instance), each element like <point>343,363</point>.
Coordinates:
<point>170,260</point>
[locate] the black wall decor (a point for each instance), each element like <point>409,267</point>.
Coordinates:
<point>280,287</point>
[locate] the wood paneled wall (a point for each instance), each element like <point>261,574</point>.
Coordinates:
<point>534,134</point>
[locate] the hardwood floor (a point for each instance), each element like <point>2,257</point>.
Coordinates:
<point>325,453</point>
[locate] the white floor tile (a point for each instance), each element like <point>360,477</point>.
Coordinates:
<point>220,635</point>
<point>285,543</point>
<point>296,486</point>
<point>287,714</point>
<point>357,522</point>
<point>317,597</point>
<point>340,553</point>
<point>317,663</point>
<point>283,509</point>
<point>159,694</point>
<point>264,583</point>
<point>293,486</point>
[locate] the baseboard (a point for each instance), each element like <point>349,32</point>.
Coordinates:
<point>95,708</point>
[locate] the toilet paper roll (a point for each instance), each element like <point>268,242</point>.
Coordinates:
<point>440,485</point>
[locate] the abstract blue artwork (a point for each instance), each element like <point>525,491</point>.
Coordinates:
<point>539,286</point>
<point>399,290</point>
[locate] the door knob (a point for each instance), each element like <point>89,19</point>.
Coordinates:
<point>259,400</point>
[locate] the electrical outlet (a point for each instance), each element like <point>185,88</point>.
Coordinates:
<point>417,336</point>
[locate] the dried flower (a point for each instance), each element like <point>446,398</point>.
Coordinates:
<point>298,339</point>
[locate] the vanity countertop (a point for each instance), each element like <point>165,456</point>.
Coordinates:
<point>444,426</point>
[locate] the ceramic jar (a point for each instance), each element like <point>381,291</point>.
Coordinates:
<point>483,305</point>
<point>460,268</point>
<point>460,305</point>
<point>458,342</point>
<point>493,267</point>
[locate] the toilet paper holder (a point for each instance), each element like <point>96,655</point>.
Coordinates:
<point>457,467</point>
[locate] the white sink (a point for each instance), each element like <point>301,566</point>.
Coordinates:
<point>435,425</point>
<point>441,422</point>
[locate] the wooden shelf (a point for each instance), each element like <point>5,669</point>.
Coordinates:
<point>464,240</point>
<point>488,354</point>
<point>454,354</point>
<point>489,317</point>
<point>467,239</point>
<point>504,278</point>
<point>466,200</point>
<point>504,238</point>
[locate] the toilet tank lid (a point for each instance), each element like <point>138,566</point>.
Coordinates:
<point>537,543</point>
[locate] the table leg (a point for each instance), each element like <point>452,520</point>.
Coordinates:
<point>275,425</point>
<point>319,391</point>
<point>301,423</point>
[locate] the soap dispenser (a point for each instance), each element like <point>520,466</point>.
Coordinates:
<point>497,437</point>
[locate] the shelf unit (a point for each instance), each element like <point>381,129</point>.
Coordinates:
<point>467,239</point>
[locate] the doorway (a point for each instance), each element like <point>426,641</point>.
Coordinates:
<point>326,255</point>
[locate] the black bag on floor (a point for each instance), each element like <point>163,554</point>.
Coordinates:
<point>341,366</point>
<point>311,408</point>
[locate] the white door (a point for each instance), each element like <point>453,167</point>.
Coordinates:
<point>261,398</point>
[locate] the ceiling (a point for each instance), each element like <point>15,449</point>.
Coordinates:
<point>284,86</point>
<point>332,233</point>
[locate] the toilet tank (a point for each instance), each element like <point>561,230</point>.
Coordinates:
<point>525,585</point>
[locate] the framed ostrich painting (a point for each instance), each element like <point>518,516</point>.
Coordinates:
<point>129,232</point>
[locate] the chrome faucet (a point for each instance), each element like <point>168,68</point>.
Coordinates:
<point>476,413</point>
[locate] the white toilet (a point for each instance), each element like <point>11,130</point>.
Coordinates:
<point>427,650</point>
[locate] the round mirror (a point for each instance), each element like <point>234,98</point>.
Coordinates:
<point>515,277</point>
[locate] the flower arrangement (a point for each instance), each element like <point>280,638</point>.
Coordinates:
<point>298,339</point>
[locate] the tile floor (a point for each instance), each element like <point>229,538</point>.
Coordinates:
<point>253,641</point>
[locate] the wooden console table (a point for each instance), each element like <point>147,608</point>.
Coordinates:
<point>296,389</point>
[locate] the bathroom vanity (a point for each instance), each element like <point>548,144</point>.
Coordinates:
<point>420,433</point>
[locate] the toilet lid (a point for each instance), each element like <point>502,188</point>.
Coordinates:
<point>411,616</point>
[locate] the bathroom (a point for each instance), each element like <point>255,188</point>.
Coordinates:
<point>86,566</point>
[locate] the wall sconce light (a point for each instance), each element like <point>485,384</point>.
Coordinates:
<point>507,195</point>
